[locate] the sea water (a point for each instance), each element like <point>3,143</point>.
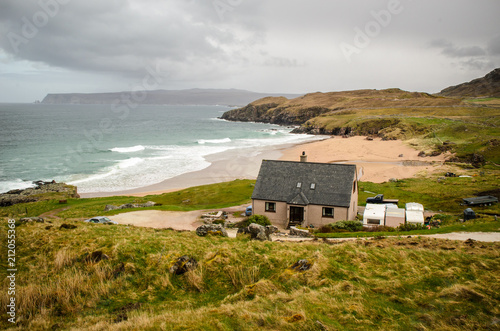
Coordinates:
<point>105,148</point>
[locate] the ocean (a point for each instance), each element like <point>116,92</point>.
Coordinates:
<point>105,148</point>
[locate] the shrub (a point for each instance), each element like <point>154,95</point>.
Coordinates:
<point>410,227</point>
<point>257,219</point>
<point>351,226</point>
<point>325,229</point>
<point>378,228</point>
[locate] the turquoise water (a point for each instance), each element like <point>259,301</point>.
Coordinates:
<point>104,148</point>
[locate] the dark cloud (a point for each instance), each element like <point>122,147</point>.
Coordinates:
<point>279,45</point>
<point>451,50</point>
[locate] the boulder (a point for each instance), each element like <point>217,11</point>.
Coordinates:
<point>110,207</point>
<point>299,232</point>
<point>183,265</point>
<point>211,229</point>
<point>67,226</point>
<point>301,265</point>
<point>259,232</point>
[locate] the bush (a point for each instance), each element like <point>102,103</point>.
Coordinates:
<point>257,219</point>
<point>351,226</point>
<point>410,227</point>
<point>378,228</point>
<point>325,229</point>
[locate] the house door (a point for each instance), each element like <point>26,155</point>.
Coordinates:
<point>296,215</point>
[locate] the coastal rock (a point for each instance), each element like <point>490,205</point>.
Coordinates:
<point>182,265</point>
<point>211,229</point>
<point>36,193</point>
<point>258,232</point>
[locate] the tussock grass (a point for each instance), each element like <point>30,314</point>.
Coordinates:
<point>398,283</point>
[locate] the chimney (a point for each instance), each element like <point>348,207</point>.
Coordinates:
<point>303,157</point>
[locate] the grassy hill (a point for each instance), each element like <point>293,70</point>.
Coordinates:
<point>400,283</point>
<point>467,127</point>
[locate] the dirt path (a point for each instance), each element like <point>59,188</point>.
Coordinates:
<point>159,219</point>
<point>191,220</point>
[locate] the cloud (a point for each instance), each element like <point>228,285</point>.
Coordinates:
<point>451,50</point>
<point>124,36</point>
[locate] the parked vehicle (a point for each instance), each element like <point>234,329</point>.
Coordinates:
<point>101,220</point>
<point>248,211</point>
<point>486,200</point>
<point>379,199</point>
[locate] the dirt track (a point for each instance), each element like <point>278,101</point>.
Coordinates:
<point>190,221</point>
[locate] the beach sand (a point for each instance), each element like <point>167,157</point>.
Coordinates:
<point>379,160</point>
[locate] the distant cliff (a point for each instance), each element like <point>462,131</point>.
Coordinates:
<point>487,86</point>
<point>225,97</point>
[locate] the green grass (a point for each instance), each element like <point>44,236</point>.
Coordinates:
<point>436,194</point>
<point>201,197</point>
<point>390,284</point>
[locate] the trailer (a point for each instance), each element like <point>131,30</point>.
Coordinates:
<point>379,199</point>
<point>485,200</point>
<point>374,215</point>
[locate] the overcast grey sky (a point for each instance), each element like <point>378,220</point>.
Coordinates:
<point>60,46</point>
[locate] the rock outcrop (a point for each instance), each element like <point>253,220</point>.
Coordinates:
<point>130,206</point>
<point>211,229</point>
<point>258,232</point>
<point>42,191</point>
<point>299,232</point>
<point>182,265</point>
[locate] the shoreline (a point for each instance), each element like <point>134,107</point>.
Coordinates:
<point>226,166</point>
<point>377,160</point>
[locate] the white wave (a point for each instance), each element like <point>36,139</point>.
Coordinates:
<point>214,141</point>
<point>132,149</point>
<point>16,184</point>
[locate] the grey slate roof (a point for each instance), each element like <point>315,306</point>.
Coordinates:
<point>277,181</point>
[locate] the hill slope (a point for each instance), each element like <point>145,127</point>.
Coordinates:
<point>487,86</point>
<point>117,277</point>
<point>299,110</point>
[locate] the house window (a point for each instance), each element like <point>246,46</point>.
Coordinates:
<point>327,212</point>
<point>271,207</point>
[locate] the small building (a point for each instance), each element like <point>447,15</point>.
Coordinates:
<point>394,217</point>
<point>374,214</point>
<point>414,213</point>
<point>305,193</point>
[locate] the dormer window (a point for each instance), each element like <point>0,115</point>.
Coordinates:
<point>313,186</point>
<point>299,185</point>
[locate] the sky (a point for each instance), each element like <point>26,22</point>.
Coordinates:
<point>273,46</point>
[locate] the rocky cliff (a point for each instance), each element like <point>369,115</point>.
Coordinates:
<point>487,86</point>
<point>42,191</point>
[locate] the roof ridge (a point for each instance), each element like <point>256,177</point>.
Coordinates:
<point>327,163</point>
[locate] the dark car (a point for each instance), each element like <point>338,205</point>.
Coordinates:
<point>101,220</point>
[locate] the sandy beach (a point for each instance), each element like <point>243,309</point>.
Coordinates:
<point>377,160</point>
